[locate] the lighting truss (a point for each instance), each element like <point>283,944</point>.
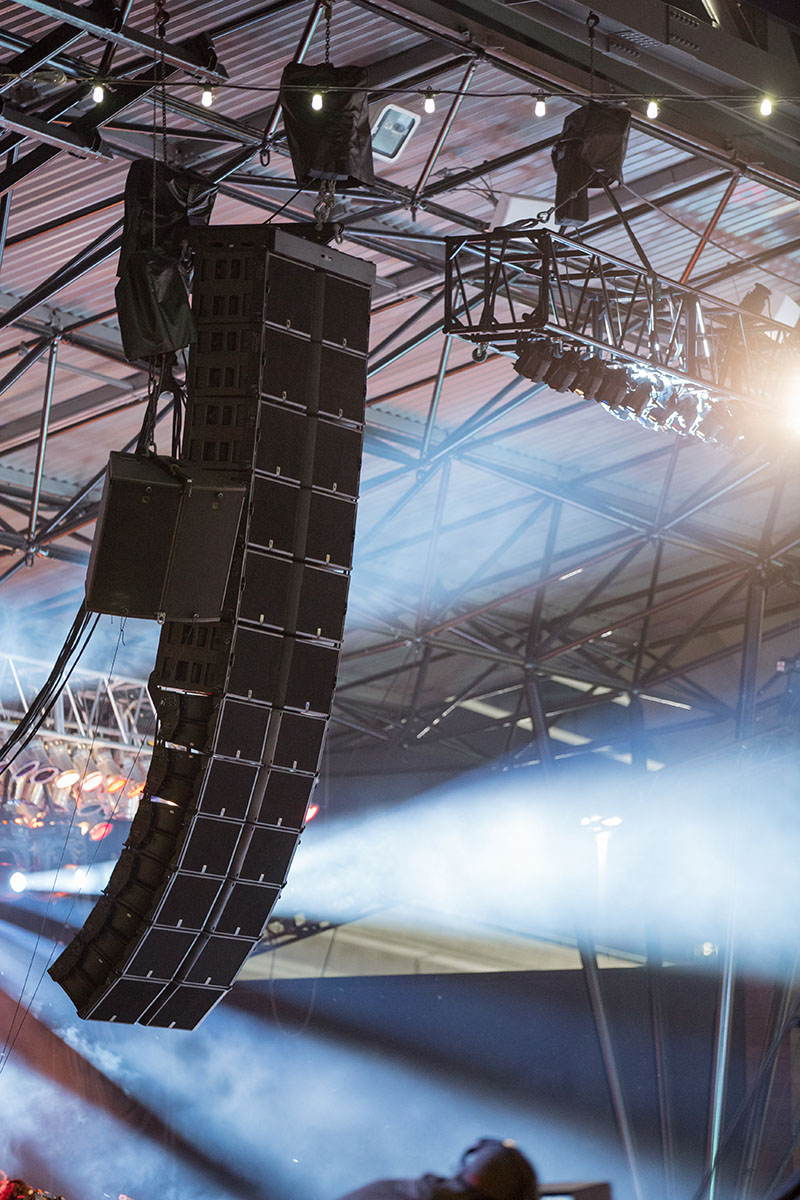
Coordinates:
<point>512,284</point>
<point>109,713</point>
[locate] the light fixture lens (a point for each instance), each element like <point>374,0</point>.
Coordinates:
<point>92,782</point>
<point>316,101</point>
<point>67,778</point>
<point>98,94</point>
<point>540,107</point>
<point>101,830</point>
<point>26,768</point>
<point>652,109</point>
<point>17,882</point>
<point>765,107</point>
<point>207,98</point>
<point>430,103</point>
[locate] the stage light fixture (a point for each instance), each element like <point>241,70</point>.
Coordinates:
<point>534,359</point>
<point>101,830</point>
<point>591,375</point>
<point>26,768</point>
<point>93,782</point>
<point>613,389</point>
<point>67,778</point>
<point>711,423</point>
<point>564,371</point>
<point>429,103</point>
<point>639,397</point>
<point>17,882</point>
<point>115,784</point>
<point>45,775</point>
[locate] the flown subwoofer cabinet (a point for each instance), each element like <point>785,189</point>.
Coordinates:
<point>277,383</point>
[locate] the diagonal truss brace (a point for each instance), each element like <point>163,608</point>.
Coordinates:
<point>508,285</point>
<point>93,19</point>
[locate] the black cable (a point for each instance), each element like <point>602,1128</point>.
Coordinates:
<point>286,203</point>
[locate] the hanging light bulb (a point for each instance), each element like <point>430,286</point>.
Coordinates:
<point>765,107</point>
<point>207,98</point>
<point>429,103</point>
<point>316,101</point>
<point>540,107</point>
<point>98,93</point>
<point>652,109</point>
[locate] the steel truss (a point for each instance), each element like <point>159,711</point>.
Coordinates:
<point>508,285</point>
<point>93,709</point>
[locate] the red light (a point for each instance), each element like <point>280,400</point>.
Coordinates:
<point>99,831</point>
<point>312,812</point>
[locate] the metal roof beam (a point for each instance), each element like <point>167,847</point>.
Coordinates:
<point>86,260</point>
<point>59,136</point>
<point>21,432</point>
<point>94,19</point>
<point>548,47</point>
<point>527,589</point>
<point>36,54</point>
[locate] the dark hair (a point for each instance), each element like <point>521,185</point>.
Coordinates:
<point>498,1170</point>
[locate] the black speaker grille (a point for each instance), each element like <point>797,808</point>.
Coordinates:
<point>277,383</point>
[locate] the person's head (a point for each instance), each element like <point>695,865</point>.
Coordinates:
<point>498,1170</point>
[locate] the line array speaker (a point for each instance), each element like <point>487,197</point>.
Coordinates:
<point>277,383</point>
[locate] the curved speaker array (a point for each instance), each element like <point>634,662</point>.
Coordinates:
<point>276,391</point>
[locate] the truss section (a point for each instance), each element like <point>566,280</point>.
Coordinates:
<point>93,708</point>
<point>510,285</point>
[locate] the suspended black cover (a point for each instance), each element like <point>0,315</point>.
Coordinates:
<point>335,142</point>
<point>590,150</point>
<point>153,305</point>
<point>152,294</point>
<point>180,201</point>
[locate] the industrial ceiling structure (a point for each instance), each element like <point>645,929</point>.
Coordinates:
<point>537,583</point>
<point>534,579</point>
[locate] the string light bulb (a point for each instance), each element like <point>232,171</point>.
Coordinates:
<point>98,94</point>
<point>429,103</point>
<point>316,101</point>
<point>765,107</point>
<point>540,107</point>
<point>207,98</point>
<point>652,109</point>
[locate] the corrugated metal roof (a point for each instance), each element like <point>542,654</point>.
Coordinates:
<point>539,450</point>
